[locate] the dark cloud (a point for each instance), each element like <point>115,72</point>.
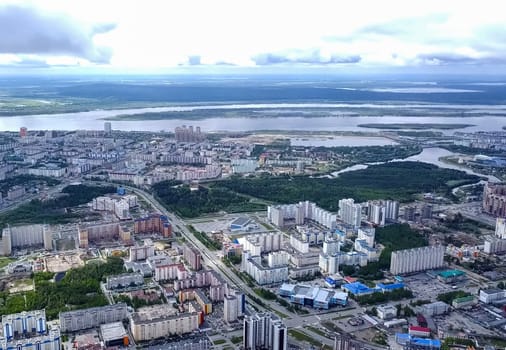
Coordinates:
<point>28,63</point>
<point>302,57</point>
<point>28,30</point>
<point>459,59</point>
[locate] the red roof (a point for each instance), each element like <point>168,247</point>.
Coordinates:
<point>419,329</point>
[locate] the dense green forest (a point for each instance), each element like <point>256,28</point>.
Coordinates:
<point>396,180</point>
<point>397,237</point>
<point>187,203</point>
<point>370,154</point>
<point>392,237</point>
<point>54,211</point>
<point>79,289</point>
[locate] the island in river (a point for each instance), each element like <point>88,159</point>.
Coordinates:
<point>414,126</point>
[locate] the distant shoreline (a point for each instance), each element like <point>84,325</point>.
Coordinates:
<point>414,126</point>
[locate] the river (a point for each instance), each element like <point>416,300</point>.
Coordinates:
<point>336,120</point>
<point>430,155</point>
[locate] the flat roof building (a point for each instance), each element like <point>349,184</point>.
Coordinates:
<point>114,334</point>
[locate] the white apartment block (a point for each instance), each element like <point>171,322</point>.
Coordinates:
<point>141,252</point>
<point>493,245</point>
<point>299,212</point>
<point>120,207</point>
<point>252,265</point>
<point>264,331</point>
<point>350,212</point>
<point>329,263</point>
<point>71,321</point>
<point>262,243</point>
<point>152,323</point>
<point>368,235</point>
<point>277,259</point>
<point>26,236</point>
<point>500,228</point>
<point>380,211</point>
<point>417,259</point>
<point>298,245</point>
<point>230,308</point>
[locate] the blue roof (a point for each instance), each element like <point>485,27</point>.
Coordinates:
<point>357,288</point>
<point>390,286</point>
<point>434,343</point>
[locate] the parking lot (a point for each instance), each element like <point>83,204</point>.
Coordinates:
<point>426,287</point>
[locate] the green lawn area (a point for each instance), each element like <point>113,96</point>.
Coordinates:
<point>219,341</point>
<point>301,336</point>
<point>4,261</point>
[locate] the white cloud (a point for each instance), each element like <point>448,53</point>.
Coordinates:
<point>158,33</point>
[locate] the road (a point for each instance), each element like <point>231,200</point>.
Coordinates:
<point>210,259</point>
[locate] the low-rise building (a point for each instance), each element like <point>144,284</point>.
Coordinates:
<point>451,276</point>
<point>386,312</point>
<point>464,302</point>
<point>488,296</point>
<point>436,308</point>
<point>125,280</point>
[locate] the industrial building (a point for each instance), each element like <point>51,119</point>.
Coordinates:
<point>264,331</point>
<point>240,224</point>
<point>71,321</point>
<point>33,236</point>
<point>28,330</point>
<point>316,297</point>
<point>417,259</point>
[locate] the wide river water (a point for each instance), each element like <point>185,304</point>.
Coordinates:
<point>94,120</point>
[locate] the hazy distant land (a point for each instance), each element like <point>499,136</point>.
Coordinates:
<point>415,126</point>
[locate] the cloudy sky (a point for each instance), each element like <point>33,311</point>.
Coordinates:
<point>233,35</point>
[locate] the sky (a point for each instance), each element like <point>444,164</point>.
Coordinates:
<point>252,36</point>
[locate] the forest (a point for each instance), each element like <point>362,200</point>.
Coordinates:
<point>187,203</point>
<point>79,289</point>
<point>397,180</point>
<point>54,211</point>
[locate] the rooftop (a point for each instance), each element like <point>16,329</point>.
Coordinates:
<point>112,331</point>
<point>451,273</point>
<point>240,221</point>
